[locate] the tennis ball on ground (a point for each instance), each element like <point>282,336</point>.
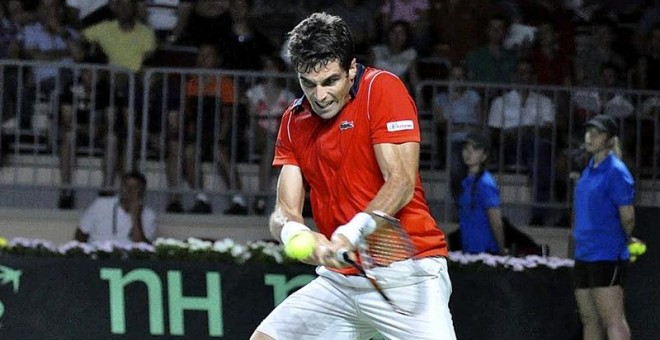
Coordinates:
<point>300,246</point>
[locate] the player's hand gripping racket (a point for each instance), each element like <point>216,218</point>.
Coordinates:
<point>387,244</point>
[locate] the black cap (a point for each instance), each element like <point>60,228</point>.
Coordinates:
<point>604,123</point>
<point>478,140</point>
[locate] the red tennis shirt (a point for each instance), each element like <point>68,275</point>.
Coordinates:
<point>337,158</point>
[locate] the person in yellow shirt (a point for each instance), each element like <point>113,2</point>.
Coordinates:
<point>126,43</point>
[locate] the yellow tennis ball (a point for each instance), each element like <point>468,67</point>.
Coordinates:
<point>300,246</point>
<point>637,248</point>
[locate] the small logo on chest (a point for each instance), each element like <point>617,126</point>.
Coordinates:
<point>345,125</point>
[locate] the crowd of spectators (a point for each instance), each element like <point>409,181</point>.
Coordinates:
<point>610,44</point>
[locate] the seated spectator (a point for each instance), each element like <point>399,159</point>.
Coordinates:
<point>598,50</point>
<point>123,218</point>
<point>85,13</point>
<point>164,17</point>
<point>416,13</point>
<point>203,23</point>
<point>127,43</point>
<point>553,65</point>
<point>359,17</point>
<point>47,40</point>
<point>243,46</point>
<point>457,113</point>
<point>201,139</point>
<point>522,121</point>
<point>9,49</point>
<point>479,214</point>
<point>397,54</point>
<point>648,65</point>
<point>491,63</point>
<point>267,102</point>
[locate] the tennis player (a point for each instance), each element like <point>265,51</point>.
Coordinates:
<point>352,141</point>
<point>604,222</point>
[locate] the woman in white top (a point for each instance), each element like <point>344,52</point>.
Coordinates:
<point>397,55</point>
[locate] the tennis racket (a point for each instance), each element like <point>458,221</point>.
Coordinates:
<point>387,244</point>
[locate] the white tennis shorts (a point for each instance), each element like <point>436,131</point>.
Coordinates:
<point>339,307</point>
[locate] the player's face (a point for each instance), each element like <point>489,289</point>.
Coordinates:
<point>595,140</point>
<point>327,88</point>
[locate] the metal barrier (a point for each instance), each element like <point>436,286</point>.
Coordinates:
<point>534,153</point>
<point>197,129</point>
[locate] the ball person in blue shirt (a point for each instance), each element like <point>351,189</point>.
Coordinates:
<point>479,214</point>
<point>604,221</point>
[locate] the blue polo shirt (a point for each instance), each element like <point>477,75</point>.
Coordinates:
<point>476,233</point>
<point>600,191</point>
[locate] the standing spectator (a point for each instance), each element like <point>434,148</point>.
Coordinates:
<point>9,49</point>
<point>123,218</point>
<point>360,18</point>
<point>243,47</point>
<point>398,54</point>
<point>267,101</point>
<point>492,63</point>
<point>458,112</point>
<point>48,40</point>
<point>85,13</point>
<point>83,111</point>
<point>604,222</point>
<point>479,214</point>
<point>200,137</point>
<point>127,43</point>
<point>523,120</point>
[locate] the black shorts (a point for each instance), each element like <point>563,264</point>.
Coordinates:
<point>598,274</point>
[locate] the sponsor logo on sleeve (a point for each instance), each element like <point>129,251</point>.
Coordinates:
<point>400,125</point>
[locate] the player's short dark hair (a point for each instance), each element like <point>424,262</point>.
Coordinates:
<point>319,40</point>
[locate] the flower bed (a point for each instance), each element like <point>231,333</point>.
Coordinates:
<point>228,251</point>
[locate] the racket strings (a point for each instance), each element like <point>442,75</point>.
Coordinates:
<point>388,244</point>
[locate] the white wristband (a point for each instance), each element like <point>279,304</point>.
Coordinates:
<point>361,225</point>
<point>291,228</point>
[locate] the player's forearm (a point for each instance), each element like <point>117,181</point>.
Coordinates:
<point>396,193</point>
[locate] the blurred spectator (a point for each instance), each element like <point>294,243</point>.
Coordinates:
<point>123,218</point>
<point>203,23</point>
<point>359,17</point>
<point>47,40</point>
<point>205,133</point>
<point>553,65</point>
<point>397,54</point>
<point>127,43</point>
<point>469,16</point>
<point>648,65</point>
<point>164,17</point>
<point>522,121</point>
<point>267,102</point>
<point>18,13</point>
<point>85,13</point>
<point>243,46</point>
<point>83,111</point>
<point>277,17</point>
<point>457,113</point>
<point>492,63</point>
<point>413,12</point>
<point>9,49</point>
<point>598,50</point>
